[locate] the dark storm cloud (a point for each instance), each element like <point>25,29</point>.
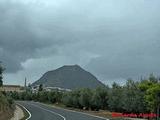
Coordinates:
<point>111,38</point>
<point>18,40</point>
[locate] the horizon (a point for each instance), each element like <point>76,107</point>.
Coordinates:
<point>72,65</point>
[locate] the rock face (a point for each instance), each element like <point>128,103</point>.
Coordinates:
<point>69,77</point>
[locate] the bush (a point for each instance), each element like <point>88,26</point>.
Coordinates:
<point>6,103</point>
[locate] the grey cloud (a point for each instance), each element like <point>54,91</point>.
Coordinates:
<point>119,39</point>
<point>18,40</point>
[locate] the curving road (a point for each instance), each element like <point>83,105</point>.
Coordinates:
<point>40,111</point>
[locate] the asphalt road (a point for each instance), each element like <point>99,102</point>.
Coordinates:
<point>40,111</point>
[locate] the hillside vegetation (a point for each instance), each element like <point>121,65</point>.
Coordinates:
<point>69,77</point>
<point>6,107</point>
<point>6,102</point>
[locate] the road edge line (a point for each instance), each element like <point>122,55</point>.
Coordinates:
<point>85,113</point>
<point>25,110</point>
<point>77,112</point>
<point>49,111</point>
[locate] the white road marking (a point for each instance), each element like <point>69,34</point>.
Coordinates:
<point>50,111</point>
<point>77,112</point>
<point>26,110</point>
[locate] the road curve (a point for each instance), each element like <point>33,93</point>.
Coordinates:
<point>40,111</point>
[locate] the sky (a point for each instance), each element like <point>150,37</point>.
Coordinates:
<point>113,39</point>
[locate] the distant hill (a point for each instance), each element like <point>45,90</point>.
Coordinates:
<point>69,77</point>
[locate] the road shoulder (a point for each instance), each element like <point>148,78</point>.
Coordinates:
<point>18,113</point>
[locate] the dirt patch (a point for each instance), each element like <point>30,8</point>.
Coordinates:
<point>6,115</point>
<point>18,114</point>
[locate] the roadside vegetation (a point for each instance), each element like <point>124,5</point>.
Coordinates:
<point>6,102</point>
<point>6,107</point>
<point>133,97</point>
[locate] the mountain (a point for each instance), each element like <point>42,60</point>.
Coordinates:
<point>69,77</point>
